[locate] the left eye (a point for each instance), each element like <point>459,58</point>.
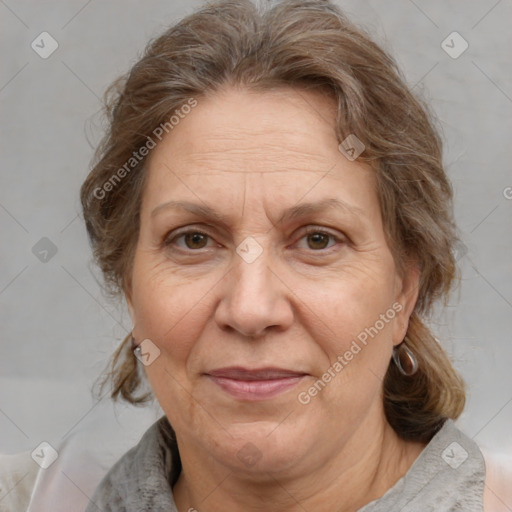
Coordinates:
<point>318,240</point>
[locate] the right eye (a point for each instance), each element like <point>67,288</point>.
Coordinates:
<point>192,240</point>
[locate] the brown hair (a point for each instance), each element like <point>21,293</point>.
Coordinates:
<point>293,43</point>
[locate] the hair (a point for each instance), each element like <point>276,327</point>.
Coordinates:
<point>301,44</point>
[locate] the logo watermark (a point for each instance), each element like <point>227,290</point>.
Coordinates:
<point>351,147</point>
<point>143,151</point>
<point>304,397</point>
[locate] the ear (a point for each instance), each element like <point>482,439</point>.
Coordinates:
<point>406,296</point>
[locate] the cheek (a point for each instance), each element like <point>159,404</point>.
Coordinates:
<point>353,302</point>
<point>168,309</point>
<point>356,349</point>
<point>171,312</point>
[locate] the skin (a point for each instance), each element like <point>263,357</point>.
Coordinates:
<point>298,306</point>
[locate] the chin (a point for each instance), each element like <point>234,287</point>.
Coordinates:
<point>262,447</point>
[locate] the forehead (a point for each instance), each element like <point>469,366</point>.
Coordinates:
<point>235,124</point>
<point>281,141</point>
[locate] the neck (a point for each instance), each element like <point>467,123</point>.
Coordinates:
<point>358,473</point>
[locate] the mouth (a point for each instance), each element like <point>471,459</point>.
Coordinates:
<point>255,384</point>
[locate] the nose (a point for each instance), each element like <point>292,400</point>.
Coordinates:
<point>254,300</point>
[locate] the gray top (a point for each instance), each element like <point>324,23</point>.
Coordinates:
<point>448,476</point>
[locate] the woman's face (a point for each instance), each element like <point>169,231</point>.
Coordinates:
<point>263,277</point>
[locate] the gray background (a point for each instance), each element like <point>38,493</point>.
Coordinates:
<point>57,328</point>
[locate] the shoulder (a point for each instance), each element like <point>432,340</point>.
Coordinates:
<point>498,482</point>
<point>18,474</point>
<point>115,484</point>
<point>131,472</point>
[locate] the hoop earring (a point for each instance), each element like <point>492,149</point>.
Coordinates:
<point>405,360</point>
<point>134,344</point>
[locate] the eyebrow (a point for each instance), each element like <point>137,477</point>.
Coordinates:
<point>292,213</point>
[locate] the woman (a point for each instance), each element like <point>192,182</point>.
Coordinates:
<point>271,202</point>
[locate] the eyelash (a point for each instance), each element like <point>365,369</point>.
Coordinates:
<point>309,231</point>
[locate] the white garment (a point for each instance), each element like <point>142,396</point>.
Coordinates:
<point>84,457</point>
<point>18,474</point>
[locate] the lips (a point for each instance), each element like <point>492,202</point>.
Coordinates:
<point>239,373</point>
<point>255,384</point>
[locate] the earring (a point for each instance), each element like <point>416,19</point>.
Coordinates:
<point>135,346</point>
<point>405,360</point>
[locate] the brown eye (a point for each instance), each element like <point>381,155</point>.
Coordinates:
<point>195,240</point>
<point>318,240</point>
<point>188,241</point>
